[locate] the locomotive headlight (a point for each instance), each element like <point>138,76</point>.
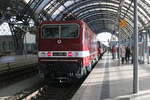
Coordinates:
<point>76,54</point>
<point>41,54</point>
<point>81,54</point>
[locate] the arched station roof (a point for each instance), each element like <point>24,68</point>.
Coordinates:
<point>100,15</point>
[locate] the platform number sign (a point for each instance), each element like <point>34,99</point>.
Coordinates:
<point>122,23</point>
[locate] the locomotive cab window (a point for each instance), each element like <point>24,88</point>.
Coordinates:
<point>69,31</point>
<point>60,31</point>
<point>50,31</point>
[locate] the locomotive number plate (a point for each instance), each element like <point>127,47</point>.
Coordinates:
<point>59,54</point>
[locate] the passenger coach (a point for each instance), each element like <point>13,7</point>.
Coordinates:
<point>66,49</point>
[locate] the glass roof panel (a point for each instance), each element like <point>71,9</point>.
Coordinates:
<point>109,9</point>
<point>144,17</point>
<point>145,8</point>
<point>147,1</point>
<point>83,7</point>
<point>68,3</point>
<point>92,4</point>
<point>128,1</point>
<point>52,8</point>
<point>55,13</point>
<point>27,1</point>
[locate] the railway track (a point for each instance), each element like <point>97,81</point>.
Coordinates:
<point>44,90</point>
<point>51,91</point>
<point>11,76</point>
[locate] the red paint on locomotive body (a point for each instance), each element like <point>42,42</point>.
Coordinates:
<point>66,42</point>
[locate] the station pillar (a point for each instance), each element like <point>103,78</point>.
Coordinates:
<point>135,56</point>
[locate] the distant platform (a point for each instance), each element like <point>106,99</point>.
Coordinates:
<point>11,62</point>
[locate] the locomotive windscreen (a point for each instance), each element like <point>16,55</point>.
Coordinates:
<point>60,31</point>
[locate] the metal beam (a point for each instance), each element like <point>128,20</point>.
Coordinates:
<point>119,30</point>
<point>129,7</point>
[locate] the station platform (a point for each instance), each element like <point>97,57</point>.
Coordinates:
<point>11,62</point>
<point>109,81</point>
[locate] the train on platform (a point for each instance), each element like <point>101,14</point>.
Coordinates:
<point>66,49</point>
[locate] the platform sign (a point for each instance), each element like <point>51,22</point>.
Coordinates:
<point>122,23</point>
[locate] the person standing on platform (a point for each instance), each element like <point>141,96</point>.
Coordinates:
<point>122,54</point>
<point>149,50</point>
<point>118,52</point>
<point>113,51</point>
<point>100,52</point>
<point>127,55</point>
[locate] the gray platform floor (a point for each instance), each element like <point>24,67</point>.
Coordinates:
<point>109,81</point>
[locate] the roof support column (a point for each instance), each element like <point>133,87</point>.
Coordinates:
<point>144,47</point>
<point>135,56</point>
<point>119,30</point>
<point>147,48</point>
<point>119,43</point>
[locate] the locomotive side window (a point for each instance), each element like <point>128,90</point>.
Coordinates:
<point>51,31</point>
<point>69,31</point>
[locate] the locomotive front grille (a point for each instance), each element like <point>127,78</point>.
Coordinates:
<point>62,68</point>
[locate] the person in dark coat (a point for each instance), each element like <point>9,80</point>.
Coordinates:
<point>127,55</point>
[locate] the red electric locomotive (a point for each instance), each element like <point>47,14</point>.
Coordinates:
<point>66,49</point>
